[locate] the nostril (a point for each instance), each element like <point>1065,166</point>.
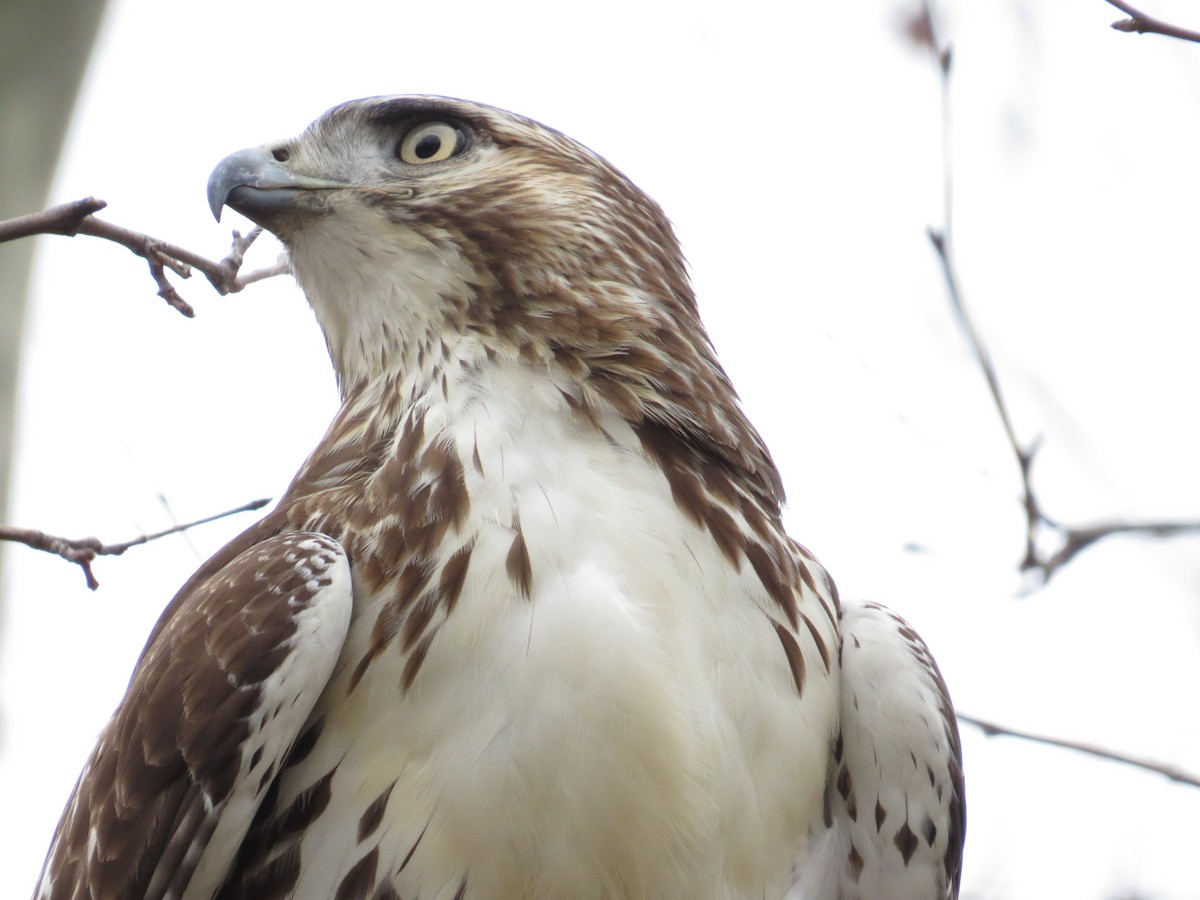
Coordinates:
<point>281,154</point>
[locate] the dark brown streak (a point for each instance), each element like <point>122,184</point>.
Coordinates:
<point>369,821</point>
<point>413,849</point>
<point>305,743</point>
<point>818,640</point>
<point>359,882</point>
<point>418,619</point>
<point>906,842</point>
<point>773,578</point>
<point>454,576</point>
<point>517,563</point>
<point>856,863</point>
<point>415,658</point>
<point>795,657</point>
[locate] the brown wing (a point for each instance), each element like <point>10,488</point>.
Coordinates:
<point>222,689</point>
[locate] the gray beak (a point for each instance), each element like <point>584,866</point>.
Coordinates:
<point>259,185</point>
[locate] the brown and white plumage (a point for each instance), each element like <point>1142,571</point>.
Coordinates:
<point>580,657</point>
<point>896,789</point>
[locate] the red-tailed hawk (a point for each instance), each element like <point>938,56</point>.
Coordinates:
<point>526,624</point>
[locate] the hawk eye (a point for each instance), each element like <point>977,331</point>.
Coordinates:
<point>430,142</point>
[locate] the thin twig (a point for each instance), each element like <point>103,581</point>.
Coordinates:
<point>940,238</point>
<point>78,217</point>
<point>1075,540</point>
<point>1143,24</point>
<point>1070,540</point>
<point>82,551</point>
<point>1175,773</point>
<point>1024,455</point>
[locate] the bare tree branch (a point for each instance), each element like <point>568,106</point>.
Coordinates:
<point>1070,541</point>
<point>63,219</point>
<point>1175,773</point>
<point>1076,539</point>
<point>1143,24</point>
<point>82,551</point>
<point>78,217</point>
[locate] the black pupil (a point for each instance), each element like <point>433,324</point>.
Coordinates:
<point>428,146</point>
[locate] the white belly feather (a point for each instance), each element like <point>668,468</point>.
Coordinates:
<point>629,729</point>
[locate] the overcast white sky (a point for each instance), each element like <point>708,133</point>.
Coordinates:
<point>797,149</point>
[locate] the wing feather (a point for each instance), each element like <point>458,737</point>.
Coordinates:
<point>220,694</point>
<point>896,790</point>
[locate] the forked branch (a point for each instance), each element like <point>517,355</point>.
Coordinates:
<point>1068,541</point>
<point>82,551</point>
<point>78,217</point>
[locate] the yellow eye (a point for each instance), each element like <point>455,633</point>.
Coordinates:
<point>431,142</point>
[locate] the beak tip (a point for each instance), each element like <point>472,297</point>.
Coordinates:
<point>234,170</point>
<point>217,193</point>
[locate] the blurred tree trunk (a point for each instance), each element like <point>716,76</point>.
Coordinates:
<point>44,50</point>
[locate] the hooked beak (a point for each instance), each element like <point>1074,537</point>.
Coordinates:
<point>260,186</point>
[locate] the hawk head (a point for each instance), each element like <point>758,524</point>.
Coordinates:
<point>425,228</point>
